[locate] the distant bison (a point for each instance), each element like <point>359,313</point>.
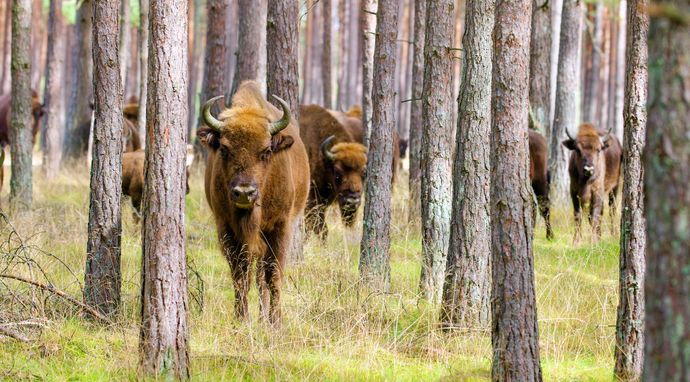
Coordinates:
<point>539,176</point>
<point>131,140</point>
<point>337,164</point>
<point>594,169</point>
<point>257,180</point>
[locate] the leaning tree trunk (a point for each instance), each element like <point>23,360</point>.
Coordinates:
<point>415,181</point>
<point>566,96</point>
<point>437,105</point>
<point>630,325</point>
<point>163,339</point>
<point>368,20</point>
<point>249,45</point>
<point>374,261</point>
<point>540,66</point>
<point>143,64</point>
<point>468,274</point>
<point>102,276</point>
<point>21,122</point>
<point>54,101</point>
<point>514,335</point>
<point>667,195</point>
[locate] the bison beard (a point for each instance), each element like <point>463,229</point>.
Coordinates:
<point>594,169</point>
<point>256,182</point>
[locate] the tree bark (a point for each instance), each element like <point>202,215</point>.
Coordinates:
<point>143,65</point>
<point>630,325</point>
<point>356,37</point>
<point>343,42</point>
<point>102,277</point>
<point>514,335</point>
<point>20,117</point>
<point>415,181</point>
<point>6,40</point>
<point>667,195</point>
<point>592,93</point>
<point>540,65</point>
<point>251,16</point>
<point>436,149</point>
<point>556,9</point>
<point>54,100</point>
<point>79,111</point>
<point>214,57</point>
<point>131,81</point>
<point>468,274</point>
<point>616,119</point>
<point>565,116</point>
<point>374,261</point>
<point>368,23</point>
<point>326,55</point>
<point>163,339</point>
<point>124,40</point>
<point>37,46</point>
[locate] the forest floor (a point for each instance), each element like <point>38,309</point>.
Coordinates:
<point>331,330</point>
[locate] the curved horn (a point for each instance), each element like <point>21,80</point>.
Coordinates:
<point>568,134</point>
<point>326,148</point>
<point>209,119</point>
<point>606,136</point>
<point>277,126</point>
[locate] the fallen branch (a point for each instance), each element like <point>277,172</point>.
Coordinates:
<point>61,294</point>
<point>12,334</point>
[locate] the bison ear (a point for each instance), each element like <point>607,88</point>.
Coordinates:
<point>209,137</point>
<point>281,142</point>
<point>569,144</point>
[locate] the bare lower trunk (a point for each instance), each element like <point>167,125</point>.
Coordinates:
<point>102,276</point>
<point>540,65</point>
<point>163,339</point>
<point>514,336</point>
<point>468,274</point>
<point>54,99</point>
<point>144,65</point>
<point>368,22</point>
<point>415,208</point>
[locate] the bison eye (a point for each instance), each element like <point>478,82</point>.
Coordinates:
<point>265,155</point>
<point>223,152</point>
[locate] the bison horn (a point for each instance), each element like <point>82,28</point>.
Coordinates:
<point>209,119</point>
<point>326,148</point>
<point>277,126</point>
<point>568,134</point>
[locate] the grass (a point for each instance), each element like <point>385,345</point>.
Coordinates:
<point>332,330</point>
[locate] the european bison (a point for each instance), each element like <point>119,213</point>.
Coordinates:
<point>131,140</point>
<point>594,169</point>
<point>539,176</point>
<point>337,164</point>
<point>257,180</point>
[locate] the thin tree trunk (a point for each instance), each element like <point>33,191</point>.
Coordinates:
<point>231,31</point>
<point>307,54</point>
<point>124,40</point>
<point>630,325</point>
<point>163,339</point>
<point>326,55</point>
<point>374,261</point>
<point>514,335</point>
<point>102,276</point>
<point>356,37</point>
<point>415,207</point>
<point>436,149</point>
<point>368,21</point>
<point>620,73</point>
<point>37,33</point>
<point>143,65</point>
<point>565,116</point>
<point>54,99</point>
<point>406,72</point>
<point>196,68</point>
<point>467,285</point>
<point>540,65</point>
<point>667,195</point>
<point>6,42</point>
<point>343,42</point>
<point>556,9</point>
<point>592,94</point>
<point>132,77</point>
<point>214,57</point>
<point>21,122</point>
<point>249,45</point>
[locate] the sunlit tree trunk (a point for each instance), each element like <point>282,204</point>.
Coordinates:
<point>53,124</point>
<point>368,21</point>
<point>415,208</point>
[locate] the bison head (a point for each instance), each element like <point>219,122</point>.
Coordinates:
<point>588,150</point>
<point>37,111</point>
<point>345,164</point>
<point>241,145</point>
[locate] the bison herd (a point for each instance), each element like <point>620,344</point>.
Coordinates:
<point>265,169</point>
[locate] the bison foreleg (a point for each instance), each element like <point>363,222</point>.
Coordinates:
<point>262,284</point>
<point>278,243</point>
<point>239,267</point>
<point>316,221</point>
<point>577,211</point>
<point>595,212</point>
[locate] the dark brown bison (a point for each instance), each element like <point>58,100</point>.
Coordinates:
<point>337,164</point>
<point>257,180</point>
<point>131,140</point>
<point>594,169</point>
<point>539,176</point>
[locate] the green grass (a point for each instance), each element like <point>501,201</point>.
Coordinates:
<point>333,330</point>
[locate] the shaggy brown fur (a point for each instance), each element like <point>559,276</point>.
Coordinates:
<point>244,155</point>
<point>339,178</point>
<point>594,168</point>
<point>130,136</point>
<point>539,176</point>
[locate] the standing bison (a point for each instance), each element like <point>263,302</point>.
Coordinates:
<point>256,182</point>
<point>539,176</point>
<point>594,169</point>
<point>337,164</point>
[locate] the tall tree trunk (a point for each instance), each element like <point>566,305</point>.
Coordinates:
<point>415,207</point>
<point>252,21</point>
<point>307,53</point>
<point>6,42</point>
<point>630,325</point>
<point>343,42</point>
<point>540,65</point>
<point>21,122</point>
<point>667,195</point>
<point>616,120</point>
<point>326,55</point>
<point>374,261</point>
<point>565,116</point>
<point>132,78</point>
<point>355,84</point>
<point>143,65</point>
<point>405,72</point>
<point>196,68</point>
<point>163,339</point>
<point>368,20</point>
<point>124,40</point>
<point>514,335</point>
<point>214,62</point>
<point>79,111</point>
<point>592,94</point>
<point>37,45</point>
<point>436,150</point>
<point>54,100</point>
<point>231,30</point>
<point>468,274</point>
<point>102,277</point>
<point>556,9</point>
